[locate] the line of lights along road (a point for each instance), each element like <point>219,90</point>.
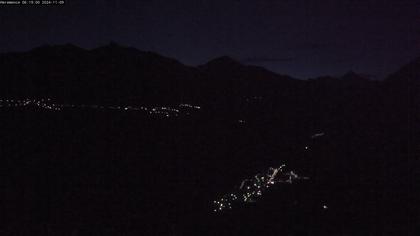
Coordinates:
<point>48,104</point>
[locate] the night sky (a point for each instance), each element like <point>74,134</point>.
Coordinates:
<point>300,38</point>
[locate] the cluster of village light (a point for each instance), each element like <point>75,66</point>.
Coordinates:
<point>189,106</point>
<point>48,104</point>
<point>251,189</point>
<point>41,103</point>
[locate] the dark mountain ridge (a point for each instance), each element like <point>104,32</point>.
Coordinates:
<point>116,72</point>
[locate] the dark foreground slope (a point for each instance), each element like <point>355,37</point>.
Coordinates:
<point>117,172</point>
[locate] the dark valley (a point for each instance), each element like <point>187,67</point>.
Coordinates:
<point>119,141</point>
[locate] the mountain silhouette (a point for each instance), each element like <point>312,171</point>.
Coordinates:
<point>110,72</point>
<point>410,71</point>
<point>115,72</point>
